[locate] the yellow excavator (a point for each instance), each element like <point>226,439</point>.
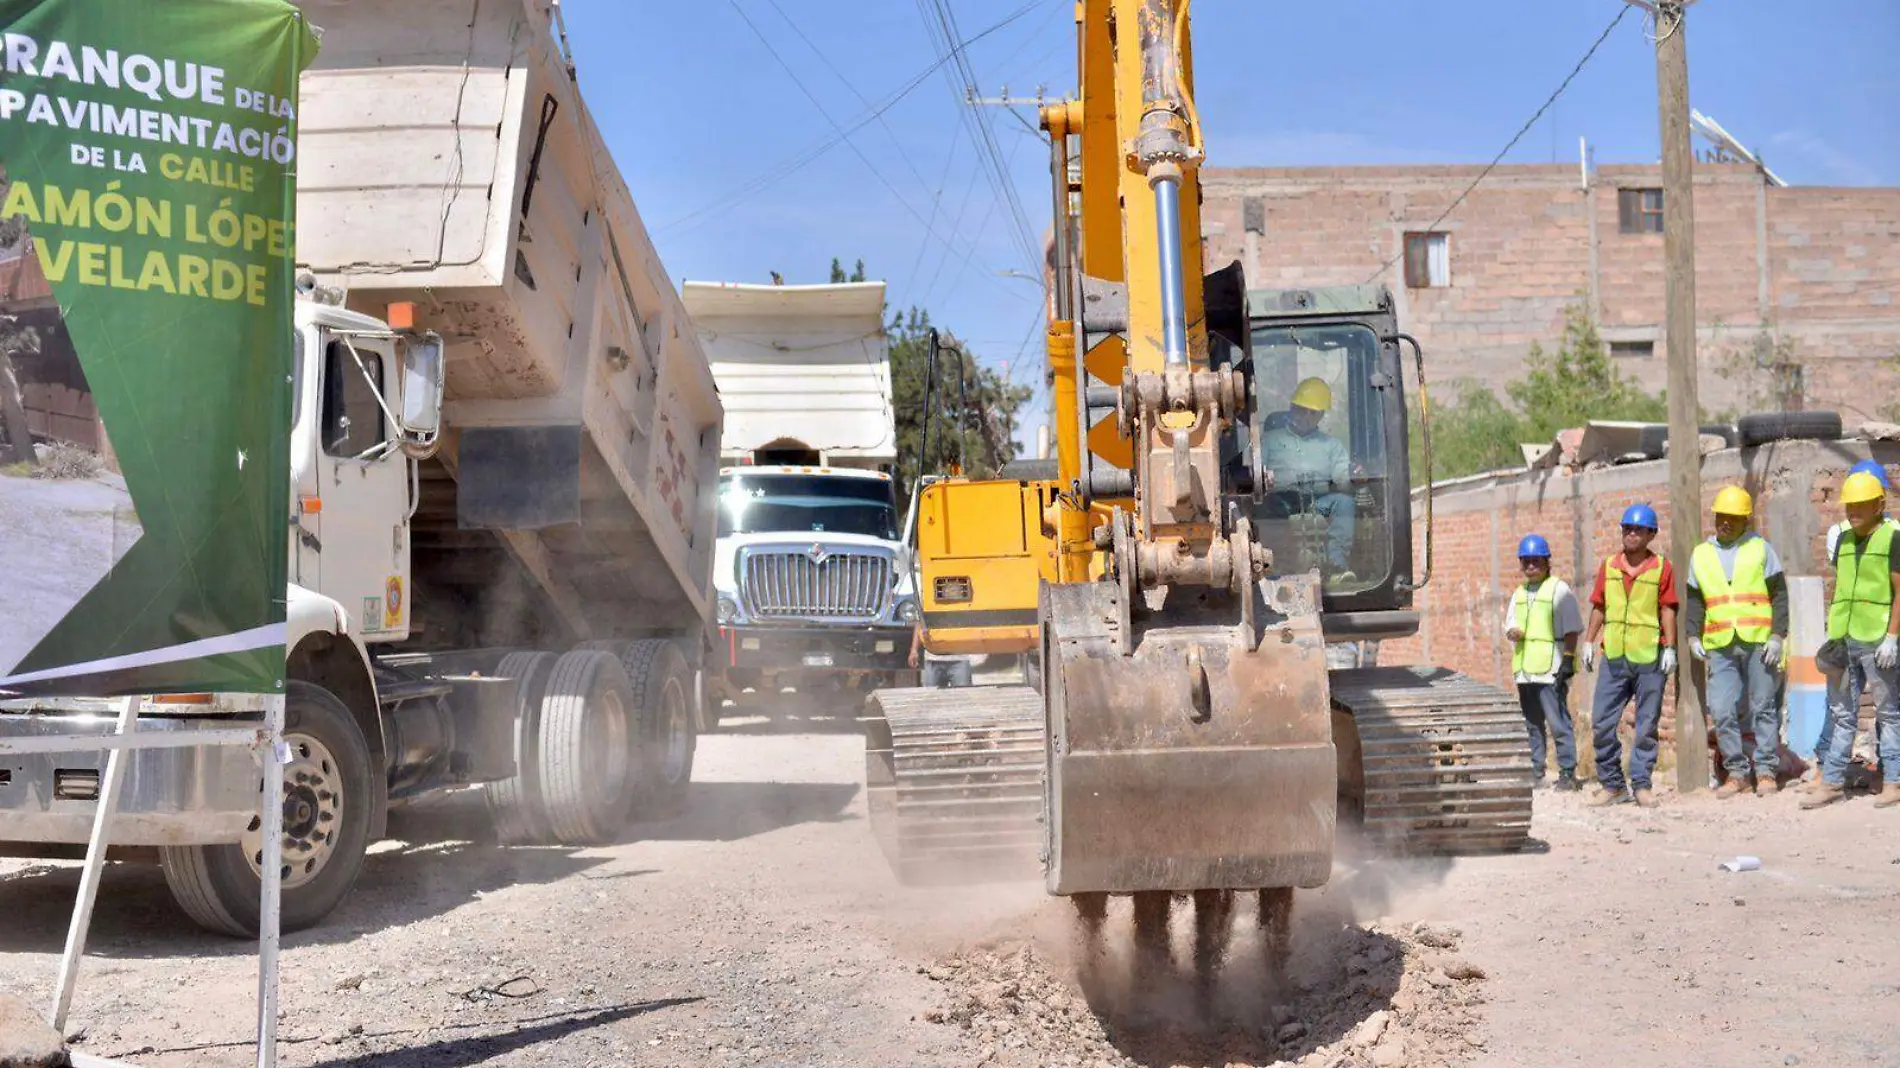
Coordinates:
<point>1187,730</point>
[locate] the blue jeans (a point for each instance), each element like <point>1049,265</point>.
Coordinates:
<point>1546,714</point>
<point>1736,672</point>
<point>1843,715</point>
<point>1620,683</point>
<point>1340,511</point>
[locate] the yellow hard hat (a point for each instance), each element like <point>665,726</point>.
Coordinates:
<point>1861,487</point>
<point>1314,395</point>
<point>1733,500</point>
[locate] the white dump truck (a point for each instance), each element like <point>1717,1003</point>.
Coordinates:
<point>812,574</point>
<point>501,531</point>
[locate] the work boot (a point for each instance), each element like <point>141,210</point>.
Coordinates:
<point>1768,787</point>
<point>1605,795</point>
<point>1823,793</point>
<point>1566,783</point>
<point>1736,784</point>
<point>1645,797</point>
<point>1888,796</point>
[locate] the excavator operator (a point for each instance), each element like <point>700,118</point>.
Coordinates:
<point>1309,472</point>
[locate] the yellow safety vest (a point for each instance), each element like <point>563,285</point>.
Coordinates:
<point>1535,615</point>
<point>1863,586</point>
<point>1737,607</point>
<point>1632,628</point>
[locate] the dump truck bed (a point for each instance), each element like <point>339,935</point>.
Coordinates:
<point>447,160</point>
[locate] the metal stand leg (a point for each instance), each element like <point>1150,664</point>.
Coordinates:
<point>271,814</point>
<point>95,866</point>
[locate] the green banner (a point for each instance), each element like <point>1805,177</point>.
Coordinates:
<point>147,168</point>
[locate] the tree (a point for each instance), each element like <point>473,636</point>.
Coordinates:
<point>838,275</point>
<point>1578,383</point>
<point>972,414</point>
<point>1567,387</point>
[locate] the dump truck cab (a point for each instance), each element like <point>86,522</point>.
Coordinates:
<point>813,581</point>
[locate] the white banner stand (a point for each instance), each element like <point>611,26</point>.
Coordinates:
<point>267,741</point>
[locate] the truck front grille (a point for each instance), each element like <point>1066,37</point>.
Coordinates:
<point>845,587</point>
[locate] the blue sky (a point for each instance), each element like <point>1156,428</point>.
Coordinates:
<point>704,122</point>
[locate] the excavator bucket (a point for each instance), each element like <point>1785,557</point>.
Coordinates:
<point>1188,751</point>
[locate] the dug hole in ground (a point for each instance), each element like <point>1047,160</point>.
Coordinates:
<point>763,928</point>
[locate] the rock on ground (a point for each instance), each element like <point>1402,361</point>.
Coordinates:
<point>26,1040</point>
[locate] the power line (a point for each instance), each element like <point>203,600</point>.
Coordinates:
<point>936,200</point>
<point>1495,160</point>
<point>941,25</point>
<point>798,160</point>
<point>852,145</point>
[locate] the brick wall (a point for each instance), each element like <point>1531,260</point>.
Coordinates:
<point>1818,266</point>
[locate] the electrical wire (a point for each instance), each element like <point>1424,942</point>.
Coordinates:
<point>798,160</point>
<point>1512,143</point>
<point>941,24</point>
<point>852,145</point>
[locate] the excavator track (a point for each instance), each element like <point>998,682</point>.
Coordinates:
<point>954,780</point>
<point>1442,761</point>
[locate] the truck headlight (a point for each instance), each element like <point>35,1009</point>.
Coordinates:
<point>728,609</point>
<point>909,611</point>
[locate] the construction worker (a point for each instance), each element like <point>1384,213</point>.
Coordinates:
<point>1879,471</point>
<point>1834,533</point>
<point>1542,624</point>
<point>1738,612</point>
<point>1865,616</point>
<point>1633,609</point>
<point>1309,471</point>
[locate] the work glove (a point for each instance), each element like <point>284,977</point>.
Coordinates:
<point>1888,654</point>
<point>1771,652</point>
<point>1587,656</point>
<point>1695,649</point>
<point>1669,661</point>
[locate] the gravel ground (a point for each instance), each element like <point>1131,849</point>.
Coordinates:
<point>763,929</point>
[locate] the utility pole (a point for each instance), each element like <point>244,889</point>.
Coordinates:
<point>1685,452</point>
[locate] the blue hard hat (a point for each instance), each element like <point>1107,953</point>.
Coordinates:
<point>1874,468</point>
<point>1533,545</point>
<point>1640,515</point>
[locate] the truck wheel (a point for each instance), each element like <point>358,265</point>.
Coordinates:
<point>669,734</point>
<point>587,747</point>
<point>328,795</point>
<point>669,722</point>
<point>515,804</point>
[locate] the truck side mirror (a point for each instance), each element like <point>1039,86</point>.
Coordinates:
<point>421,394</point>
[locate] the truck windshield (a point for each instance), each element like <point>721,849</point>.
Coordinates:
<point>806,504</point>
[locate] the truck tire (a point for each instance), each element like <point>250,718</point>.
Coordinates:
<point>516,804</point>
<point>587,748</point>
<point>326,830</point>
<point>1764,427</point>
<point>668,734</point>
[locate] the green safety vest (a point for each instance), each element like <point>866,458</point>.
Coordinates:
<point>1534,613</point>
<point>1632,620</point>
<point>1863,586</point>
<point>1737,607</point>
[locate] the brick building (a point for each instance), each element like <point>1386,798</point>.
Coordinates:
<point>1816,268</point>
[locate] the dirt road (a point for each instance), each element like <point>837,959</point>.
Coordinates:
<point>762,929</point>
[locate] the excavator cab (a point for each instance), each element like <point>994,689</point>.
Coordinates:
<point>1355,530</point>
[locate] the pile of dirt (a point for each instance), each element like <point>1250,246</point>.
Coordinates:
<point>1373,996</point>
